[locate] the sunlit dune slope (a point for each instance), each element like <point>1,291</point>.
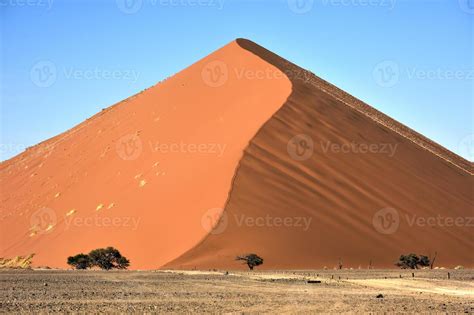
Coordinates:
<point>141,174</point>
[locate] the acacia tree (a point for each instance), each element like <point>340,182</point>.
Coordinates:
<point>252,260</point>
<point>108,258</point>
<point>424,261</point>
<point>80,261</point>
<point>104,258</point>
<point>412,261</point>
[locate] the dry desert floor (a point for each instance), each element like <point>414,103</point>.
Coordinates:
<point>23,291</point>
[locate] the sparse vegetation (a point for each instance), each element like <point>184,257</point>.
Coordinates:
<point>80,261</point>
<point>413,261</point>
<point>18,262</point>
<point>104,258</point>
<point>108,258</point>
<point>433,260</point>
<point>252,260</point>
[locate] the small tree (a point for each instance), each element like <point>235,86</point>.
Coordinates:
<point>108,258</point>
<point>122,263</point>
<point>408,261</point>
<point>104,258</point>
<point>252,260</point>
<point>80,261</point>
<point>424,261</point>
<point>412,261</point>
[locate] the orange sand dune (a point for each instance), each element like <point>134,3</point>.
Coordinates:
<point>198,120</point>
<point>245,131</point>
<point>299,203</point>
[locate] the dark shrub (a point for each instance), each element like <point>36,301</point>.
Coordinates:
<point>104,258</point>
<point>424,261</point>
<point>412,261</point>
<point>252,260</point>
<point>108,258</point>
<point>80,261</point>
<point>122,263</point>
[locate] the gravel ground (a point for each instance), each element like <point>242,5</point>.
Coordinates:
<point>25,291</point>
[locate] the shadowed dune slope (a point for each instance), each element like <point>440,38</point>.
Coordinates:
<point>143,173</point>
<point>329,178</point>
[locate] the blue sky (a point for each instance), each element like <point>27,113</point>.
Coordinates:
<point>413,60</point>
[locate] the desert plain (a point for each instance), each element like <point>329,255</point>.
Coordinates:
<point>377,291</point>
